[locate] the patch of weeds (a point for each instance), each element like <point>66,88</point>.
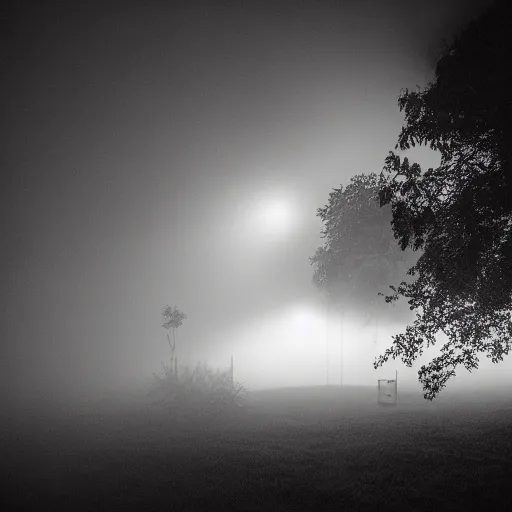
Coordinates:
<point>199,390</point>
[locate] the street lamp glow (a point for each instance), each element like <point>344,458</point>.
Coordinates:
<point>275,216</point>
<point>265,218</point>
<point>304,319</point>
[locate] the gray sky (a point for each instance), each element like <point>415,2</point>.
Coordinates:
<point>139,139</point>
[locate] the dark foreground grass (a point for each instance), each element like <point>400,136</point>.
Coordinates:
<point>289,449</point>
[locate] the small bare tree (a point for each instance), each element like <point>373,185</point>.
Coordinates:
<point>173,319</point>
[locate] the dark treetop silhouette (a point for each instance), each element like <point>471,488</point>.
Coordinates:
<point>460,214</point>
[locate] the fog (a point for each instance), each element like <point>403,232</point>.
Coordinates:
<point>177,155</point>
<point>302,346</point>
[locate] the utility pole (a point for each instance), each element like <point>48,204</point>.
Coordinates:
<point>341,352</point>
<point>327,345</point>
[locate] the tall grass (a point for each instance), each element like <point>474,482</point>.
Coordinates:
<point>198,389</point>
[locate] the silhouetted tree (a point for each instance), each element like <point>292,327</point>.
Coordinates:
<point>173,318</point>
<point>460,214</point>
<point>360,255</point>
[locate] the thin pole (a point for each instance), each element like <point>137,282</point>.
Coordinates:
<point>327,347</point>
<point>176,356</point>
<point>396,387</point>
<point>341,357</point>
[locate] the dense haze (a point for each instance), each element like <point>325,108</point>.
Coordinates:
<point>144,146</point>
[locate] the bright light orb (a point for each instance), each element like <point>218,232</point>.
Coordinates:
<point>275,216</point>
<point>303,319</point>
<point>267,218</point>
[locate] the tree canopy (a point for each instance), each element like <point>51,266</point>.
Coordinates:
<point>173,317</point>
<point>360,254</point>
<point>458,215</point>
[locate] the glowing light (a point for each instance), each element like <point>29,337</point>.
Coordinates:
<point>283,349</point>
<point>305,319</point>
<point>275,216</point>
<point>267,216</point>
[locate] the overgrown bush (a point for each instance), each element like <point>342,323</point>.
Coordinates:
<point>200,389</point>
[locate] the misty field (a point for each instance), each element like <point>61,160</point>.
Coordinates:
<point>323,448</point>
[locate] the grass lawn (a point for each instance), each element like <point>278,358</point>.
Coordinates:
<point>323,448</point>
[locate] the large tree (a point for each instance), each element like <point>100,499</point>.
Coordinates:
<point>458,215</point>
<point>360,255</point>
<point>359,251</point>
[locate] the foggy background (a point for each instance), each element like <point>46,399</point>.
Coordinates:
<point>141,143</point>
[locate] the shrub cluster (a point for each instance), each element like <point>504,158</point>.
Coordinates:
<point>199,389</point>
